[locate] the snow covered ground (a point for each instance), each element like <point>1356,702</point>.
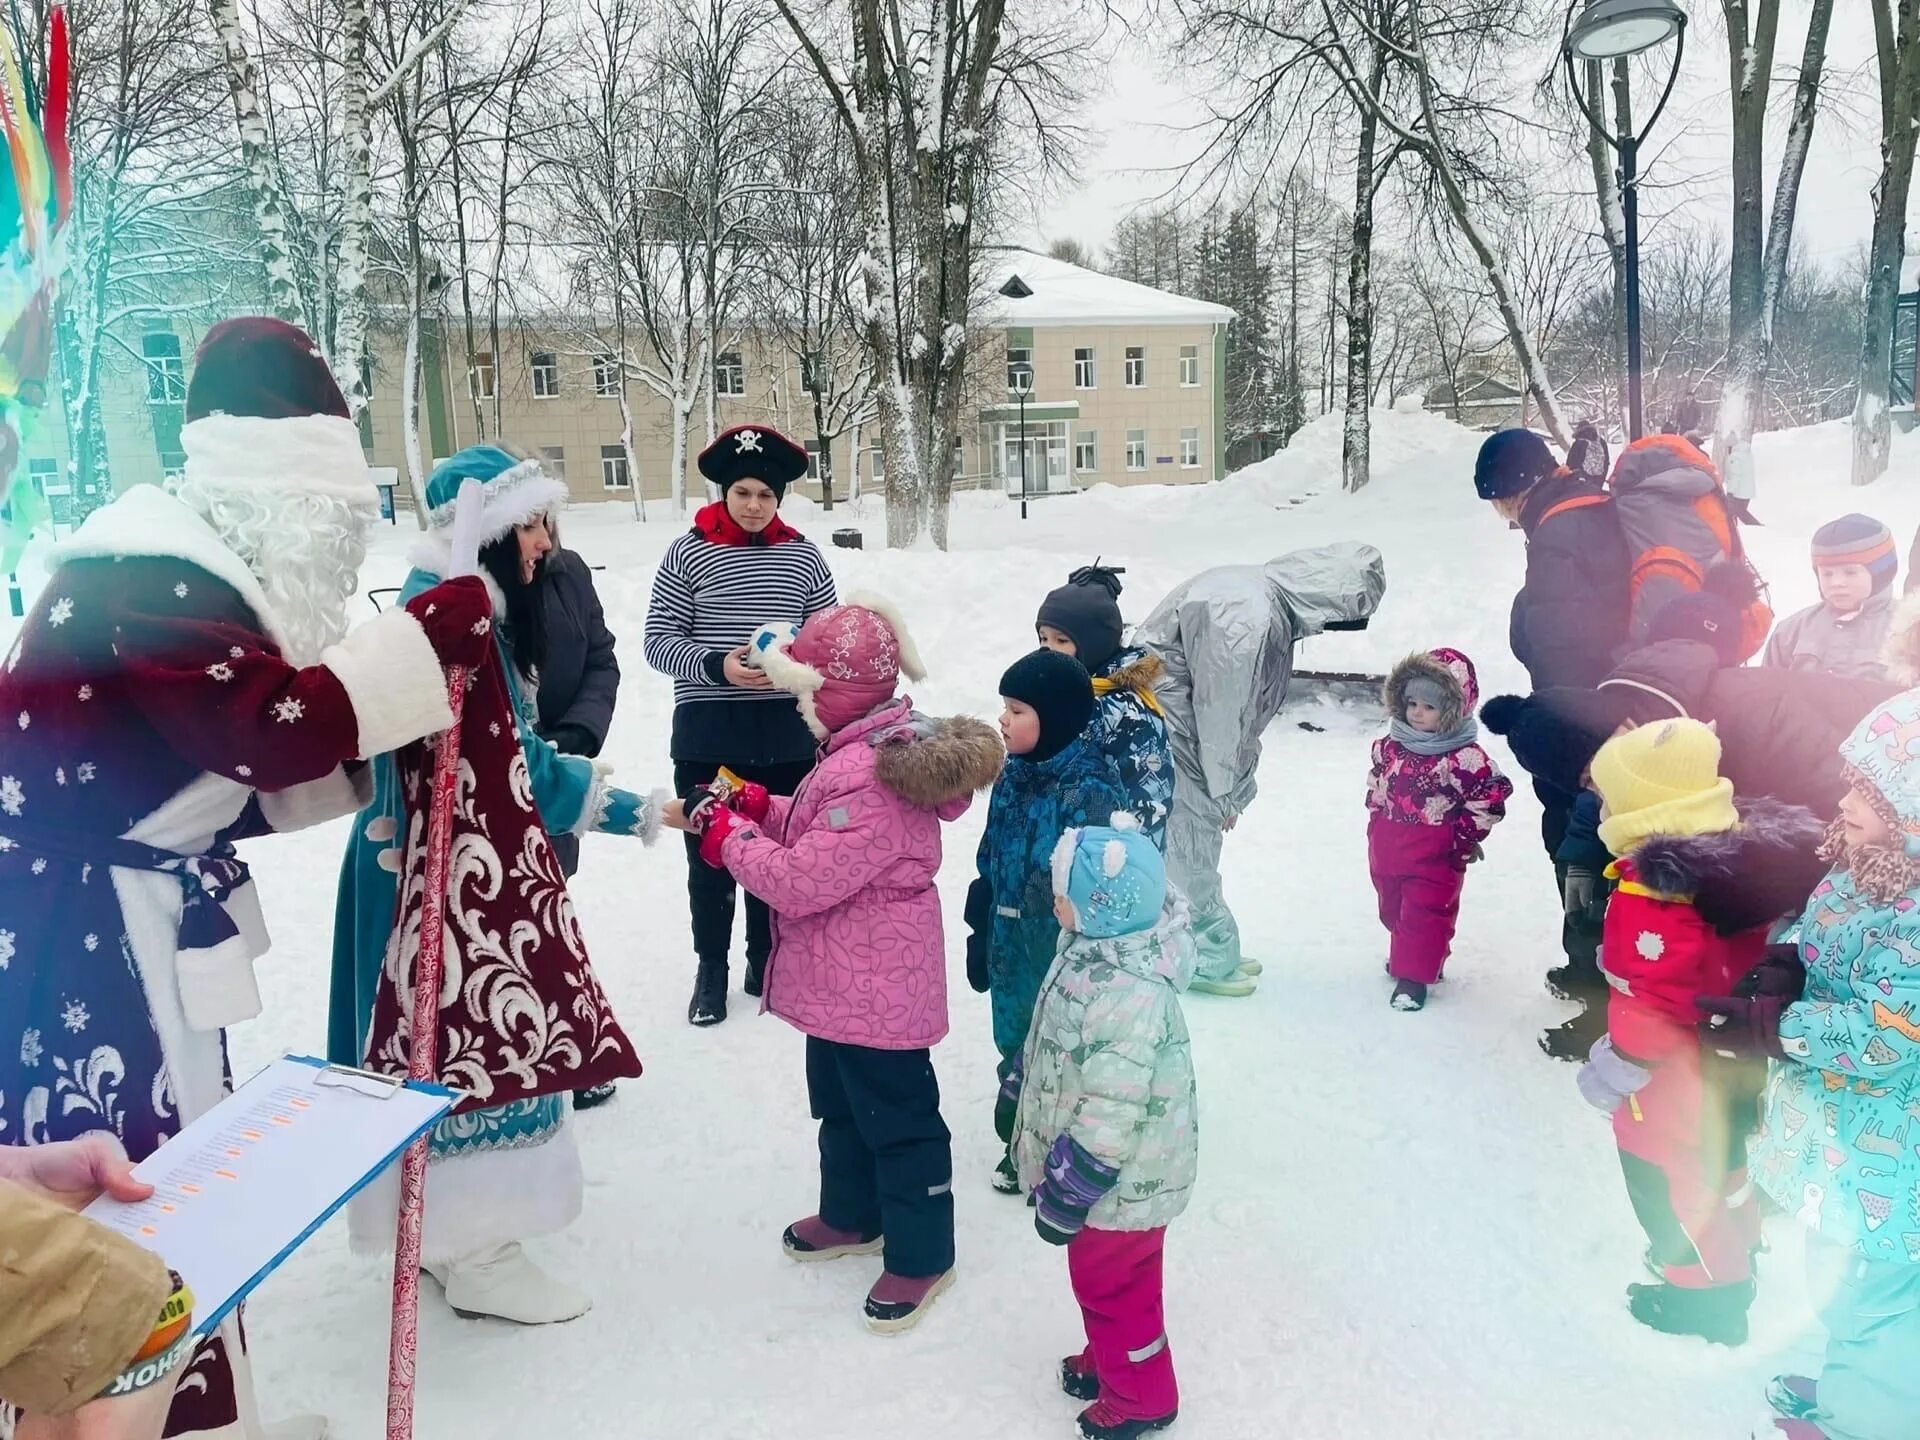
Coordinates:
<point>1407,1225</point>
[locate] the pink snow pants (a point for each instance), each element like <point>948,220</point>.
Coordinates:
<point>1419,890</point>
<point>1116,1279</point>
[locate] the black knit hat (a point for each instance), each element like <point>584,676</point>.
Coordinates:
<point>1086,610</point>
<point>1554,734</point>
<point>1061,693</point>
<point>1511,462</point>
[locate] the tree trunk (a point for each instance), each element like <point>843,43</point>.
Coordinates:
<point>1751,27</point>
<point>356,219</point>
<point>461,255</point>
<point>1899,52</point>
<point>262,179</point>
<point>682,408</point>
<point>823,440</point>
<point>1613,220</point>
<point>1356,436</point>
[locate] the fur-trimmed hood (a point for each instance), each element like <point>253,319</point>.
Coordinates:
<point>1452,671</point>
<point>1744,877</point>
<point>930,762</point>
<point>1137,669</point>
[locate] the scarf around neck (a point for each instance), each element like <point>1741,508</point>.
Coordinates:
<point>1421,742</point>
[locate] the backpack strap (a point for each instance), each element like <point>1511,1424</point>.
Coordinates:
<point>1578,502</point>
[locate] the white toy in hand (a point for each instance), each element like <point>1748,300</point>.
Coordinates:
<point>776,635</point>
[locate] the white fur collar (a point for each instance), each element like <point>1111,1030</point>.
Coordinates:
<point>432,554</point>
<point>312,454</point>
<point>148,523</point>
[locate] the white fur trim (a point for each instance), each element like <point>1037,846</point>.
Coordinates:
<point>1901,650</point>
<point>599,799</point>
<point>1123,820</point>
<point>654,819</point>
<point>1061,863</point>
<point>1113,859</point>
<point>514,497</point>
<point>301,454</point>
<point>393,680</point>
<point>433,555</point>
<point>477,1200</point>
<point>147,523</point>
<point>910,665</point>
<point>318,801</point>
<point>799,680</point>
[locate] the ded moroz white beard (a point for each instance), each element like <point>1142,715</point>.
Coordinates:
<point>305,549</point>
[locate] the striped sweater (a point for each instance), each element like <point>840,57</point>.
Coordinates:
<point>709,596</point>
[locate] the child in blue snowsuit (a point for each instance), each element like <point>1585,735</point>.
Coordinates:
<point>1082,619</point>
<point>1056,778</point>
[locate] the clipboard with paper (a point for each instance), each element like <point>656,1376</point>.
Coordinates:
<point>242,1187</point>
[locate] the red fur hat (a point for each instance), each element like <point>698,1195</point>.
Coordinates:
<point>261,367</point>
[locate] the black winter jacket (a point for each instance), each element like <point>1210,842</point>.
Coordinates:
<point>1570,618</point>
<point>579,676</point>
<point>1780,730</point>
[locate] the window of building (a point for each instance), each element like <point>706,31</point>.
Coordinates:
<point>546,374</point>
<point>173,464</point>
<point>553,460</point>
<point>1136,449</point>
<point>606,377</point>
<point>613,468</point>
<point>1083,368</point>
<point>1019,369</point>
<point>877,465</point>
<point>166,373</point>
<point>1136,366</point>
<point>1189,364</point>
<point>1086,451</point>
<point>480,375</point>
<point>729,375</point>
<point>1190,447</point>
<point>813,459</point>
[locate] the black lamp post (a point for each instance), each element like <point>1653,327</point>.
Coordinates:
<point>1614,30</point>
<point>1022,385</point>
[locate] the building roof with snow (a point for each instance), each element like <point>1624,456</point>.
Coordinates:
<point>1024,287</point>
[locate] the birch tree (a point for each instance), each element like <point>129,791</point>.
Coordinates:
<point>1762,244</point>
<point>263,180</point>
<point>926,92</point>
<point>1896,33</point>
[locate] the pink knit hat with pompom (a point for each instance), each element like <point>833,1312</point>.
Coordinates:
<point>843,663</point>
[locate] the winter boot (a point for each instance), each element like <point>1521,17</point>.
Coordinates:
<point>813,1239</point>
<point>1717,1313</point>
<point>1573,1039</point>
<point>593,1097</point>
<point>1100,1421</point>
<point>709,1003</point>
<point>1077,1377</point>
<point>503,1283</point>
<point>1006,1179</point>
<point>1569,981</point>
<point>1409,995</point>
<point>896,1302</point>
<point>1236,984</point>
<point>1251,966</point>
<point>1793,1397</point>
<point>755,979</point>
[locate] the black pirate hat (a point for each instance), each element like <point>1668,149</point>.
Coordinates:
<point>757,452</point>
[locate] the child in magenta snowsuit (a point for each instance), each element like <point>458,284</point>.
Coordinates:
<point>1433,795</point>
<point>847,869</point>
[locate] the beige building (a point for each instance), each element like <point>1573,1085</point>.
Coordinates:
<point>1121,382</point>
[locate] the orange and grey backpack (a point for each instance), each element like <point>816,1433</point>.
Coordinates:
<point>1682,534</point>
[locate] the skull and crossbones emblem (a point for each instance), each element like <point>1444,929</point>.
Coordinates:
<point>748,440</point>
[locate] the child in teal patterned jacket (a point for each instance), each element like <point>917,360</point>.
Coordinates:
<point>1107,1135</point>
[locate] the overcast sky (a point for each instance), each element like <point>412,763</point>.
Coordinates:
<point>1134,126</point>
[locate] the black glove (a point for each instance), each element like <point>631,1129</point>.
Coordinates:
<point>979,915</point>
<point>571,739</point>
<point>1736,1028</point>
<point>1780,975</point>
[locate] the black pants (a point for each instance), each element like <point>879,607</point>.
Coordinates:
<point>710,890</point>
<point>886,1156</point>
<point>1579,934</point>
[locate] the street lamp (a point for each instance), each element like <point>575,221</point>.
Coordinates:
<point>1022,378</point>
<point>1615,30</point>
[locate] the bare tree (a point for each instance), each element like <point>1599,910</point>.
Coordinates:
<point>1761,246</point>
<point>1072,251</point>
<point>270,206</point>
<point>926,92</point>
<point>1897,45</point>
<point>1453,312</point>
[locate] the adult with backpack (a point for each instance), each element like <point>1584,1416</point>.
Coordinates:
<point>1569,621</point>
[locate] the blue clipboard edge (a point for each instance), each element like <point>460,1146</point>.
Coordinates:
<point>205,1327</point>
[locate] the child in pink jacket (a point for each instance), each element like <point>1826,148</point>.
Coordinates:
<point>847,868</point>
<point>1434,794</point>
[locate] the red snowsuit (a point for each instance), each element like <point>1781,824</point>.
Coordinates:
<point>1682,1136</point>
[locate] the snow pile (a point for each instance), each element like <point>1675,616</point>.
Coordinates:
<point>1405,1225</point>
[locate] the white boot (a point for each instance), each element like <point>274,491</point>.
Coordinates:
<point>503,1283</point>
<point>297,1427</point>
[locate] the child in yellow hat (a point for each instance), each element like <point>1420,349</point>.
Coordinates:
<point>1699,881</point>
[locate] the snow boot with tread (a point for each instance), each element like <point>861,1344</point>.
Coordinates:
<point>812,1239</point>
<point>1077,1377</point>
<point>896,1303</point>
<point>1717,1313</point>
<point>1409,995</point>
<point>1099,1421</point>
<point>709,1003</point>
